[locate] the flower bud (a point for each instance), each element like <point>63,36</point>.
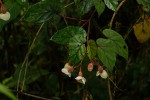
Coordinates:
<point>80,73</point>
<point>70,69</point>
<point>90,67</point>
<point>100,68</point>
<point>3,9</point>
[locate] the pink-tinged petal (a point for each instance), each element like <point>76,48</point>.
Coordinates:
<point>70,69</point>
<point>90,67</point>
<point>104,74</point>
<point>65,71</point>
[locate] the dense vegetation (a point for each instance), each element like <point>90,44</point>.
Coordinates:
<point>74,49</point>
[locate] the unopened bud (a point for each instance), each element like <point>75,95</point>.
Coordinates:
<point>90,67</point>
<point>100,68</point>
<point>3,9</point>
<point>70,69</point>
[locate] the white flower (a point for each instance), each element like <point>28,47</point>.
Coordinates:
<point>67,69</point>
<point>67,65</point>
<point>5,16</point>
<point>103,74</point>
<point>80,79</point>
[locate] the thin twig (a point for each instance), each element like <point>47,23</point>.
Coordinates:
<point>112,19</point>
<point>70,18</point>
<point>109,90</point>
<point>25,72</point>
<point>31,95</point>
<point>89,26</point>
<point>26,57</point>
<point>115,85</point>
<point>69,4</point>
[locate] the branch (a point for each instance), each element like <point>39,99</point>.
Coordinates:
<point>31,95</point>
<point>26,59</point>
<point>112,19</point>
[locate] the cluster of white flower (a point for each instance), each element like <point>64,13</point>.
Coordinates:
<point>4,15</point>
<point>68,69</point>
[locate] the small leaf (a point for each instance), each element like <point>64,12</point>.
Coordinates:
<point>91,49</point>
<point>77,48</point>
<point>7,92</point>
<point>100,6</point>
<point>106,53</point>
<point>111,4</point>
<point>118,42</point>
<point>63,36</point>
<point>43,11</point>
<point>84,7</point>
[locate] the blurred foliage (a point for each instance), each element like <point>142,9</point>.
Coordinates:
<point>41,73</point>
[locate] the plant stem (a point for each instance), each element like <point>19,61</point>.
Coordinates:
<point>112,19</point>
<point>109,90</point>
<point>69,4</point>
<point>26,59</point>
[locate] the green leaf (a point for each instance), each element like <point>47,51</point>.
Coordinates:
<point>84,7</point>
<point>63,36</point>
<point>43,11</point>
<point>41,43</point>
<point>111,4</point>
<point>106,53</point>
<point>77,1</point>
<point>118,42</point>
<point>7,92</point>
<point>77,49</point>
<point>91,49</point>
<point>14,10</point>
<point>33,73</point>
<point>144,2</point>
<point>100,6</point>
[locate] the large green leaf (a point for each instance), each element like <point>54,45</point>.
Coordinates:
<point>7,92</point>
<point>63,36</point>
<point>100,6</point>
<point>118,42</point>
<point>111,4</point>
<point>43,11</point>
<point>106,53</point>
<point>91,49</point>
<point>14,10</point>
<point>84,7</point>
<point>77,49</point>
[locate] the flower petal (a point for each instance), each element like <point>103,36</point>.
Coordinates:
<point>67,65</point>
<point>5,16</point>
<point>78,78</point>
<point>65,71</point>
<point>98,73</point>
<point>104,74</point>
<point>81,79</point>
